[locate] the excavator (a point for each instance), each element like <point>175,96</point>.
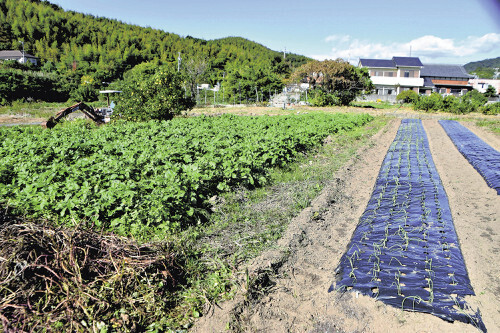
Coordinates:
<point>96,115</point>
<point>99,116</point>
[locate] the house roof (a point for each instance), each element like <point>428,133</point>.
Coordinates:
<point>428,82</point>
<point>407,61</point>
<point>8,54</point>
<point>377,63</point>
<point>392,63</point>
<point>436,70</point>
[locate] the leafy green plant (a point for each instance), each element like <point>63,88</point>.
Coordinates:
<point>492,109</point>
<point>432,102</point>
<point>451,104</point>
<point>407,96</point>
<point>151,177</point>
<point>85,93</point>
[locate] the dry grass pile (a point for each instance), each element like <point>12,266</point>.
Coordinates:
<point>74,280</point>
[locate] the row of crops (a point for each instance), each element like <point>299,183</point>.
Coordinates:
<point>128,176</point>
<point>484,158</point>
<point>405,250</point>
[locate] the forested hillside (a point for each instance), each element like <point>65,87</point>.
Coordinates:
<point>74,44</point>
<point>485,69</point>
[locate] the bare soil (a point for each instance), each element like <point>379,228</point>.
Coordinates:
<point>17,119</point>
<point>285,289</point>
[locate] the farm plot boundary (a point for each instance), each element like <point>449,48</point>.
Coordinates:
<point>405,251</point>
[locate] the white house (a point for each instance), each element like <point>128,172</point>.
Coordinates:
<point>482,84</point>
<point>18,56</point>
<point>393,76</point>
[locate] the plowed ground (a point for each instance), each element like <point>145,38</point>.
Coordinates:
<point>286,288</point>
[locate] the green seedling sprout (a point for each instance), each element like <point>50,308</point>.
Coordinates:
<point>454,282</point>
<point>397,275</point>
<point>431,290</point>
<point>400,264</point>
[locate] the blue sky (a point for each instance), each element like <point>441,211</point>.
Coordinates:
<point>437,31</point>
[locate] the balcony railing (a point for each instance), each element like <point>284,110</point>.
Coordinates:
<point>401,81</point>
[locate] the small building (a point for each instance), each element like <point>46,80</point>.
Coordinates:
<point>392,76</point>
<point>445,79</point>
<point>18,56</point>
<point>482,84</point>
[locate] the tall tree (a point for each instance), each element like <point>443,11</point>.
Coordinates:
<point>338,79</point>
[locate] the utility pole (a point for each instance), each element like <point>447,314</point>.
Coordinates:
<point>284,54</point>
<point>179,59</point>
<point>23,58</point>
<point>222,84</point>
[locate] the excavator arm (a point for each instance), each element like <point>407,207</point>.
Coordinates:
<point>84,108</point>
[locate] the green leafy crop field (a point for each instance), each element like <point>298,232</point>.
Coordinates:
<point>149,178</point>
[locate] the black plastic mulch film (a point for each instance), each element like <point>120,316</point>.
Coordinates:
<point>404,251</point>
<point>482,156</point>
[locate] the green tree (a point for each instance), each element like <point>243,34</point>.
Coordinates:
<point>335,77</point>
<point>490,92</point>
<point>153,96</point>
<point>484,72</point>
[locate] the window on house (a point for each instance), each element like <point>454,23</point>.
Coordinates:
<point>442,90</point>
<point>409,74</point>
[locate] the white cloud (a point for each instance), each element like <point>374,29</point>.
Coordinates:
<point>429,48</point>
<point>338,38</point>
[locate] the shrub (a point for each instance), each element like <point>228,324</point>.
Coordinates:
<point>407,96</point>
<point>16,84</point>
<point>474,100</point>
<point>321,98</point>
<point>85,93</point>
<point>432,102</point>
<point>451,104</point>
<point>491,109</point>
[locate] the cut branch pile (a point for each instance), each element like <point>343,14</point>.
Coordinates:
<point>75,280</point>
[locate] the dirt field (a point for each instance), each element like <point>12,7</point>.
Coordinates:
<point>288,285</point>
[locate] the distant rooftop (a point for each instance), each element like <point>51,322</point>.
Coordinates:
<point>9,54</point>
<point>407,61</point>
<point>392,63</point>
<point>438,70</point>
<point>377,63</point>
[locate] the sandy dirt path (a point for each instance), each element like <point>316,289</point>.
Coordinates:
<point>475,209</point>
<point>290,283</point>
